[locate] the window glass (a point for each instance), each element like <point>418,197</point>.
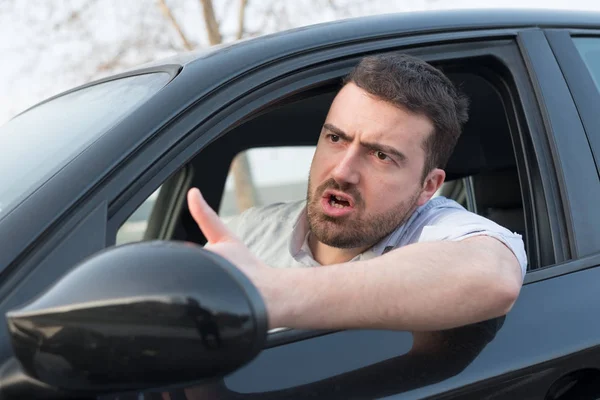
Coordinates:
<point>39,142</point>
<point>134,228</point>
<point>590,52</point>
<point>266,176</point>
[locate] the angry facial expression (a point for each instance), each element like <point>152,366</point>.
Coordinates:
<point>366,174</point>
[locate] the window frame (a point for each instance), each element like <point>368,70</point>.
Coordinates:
<point>573,94</point>
<point>584,90</point>
<point>534,160</point>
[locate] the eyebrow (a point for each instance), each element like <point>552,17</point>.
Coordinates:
<point>369,145</point>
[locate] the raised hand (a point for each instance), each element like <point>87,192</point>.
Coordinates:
<point>220,240</point>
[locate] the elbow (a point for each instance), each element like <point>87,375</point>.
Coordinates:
<point>506,289</point>
<point>506,296</point>
<point>504,279</point>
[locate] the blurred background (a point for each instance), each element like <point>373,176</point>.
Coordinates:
<point>48,46</point>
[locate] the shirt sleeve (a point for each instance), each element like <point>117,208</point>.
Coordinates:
<point>237,223</point>
<point>459,225</point>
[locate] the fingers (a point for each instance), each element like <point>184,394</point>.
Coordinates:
<point>209,222</point>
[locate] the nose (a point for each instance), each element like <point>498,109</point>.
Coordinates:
<point>347,169</point>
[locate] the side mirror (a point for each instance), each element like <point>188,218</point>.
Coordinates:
<point>140,316</point>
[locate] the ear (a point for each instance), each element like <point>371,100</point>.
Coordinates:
<point>432,183</point>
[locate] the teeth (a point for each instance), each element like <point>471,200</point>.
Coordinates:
<point>334,204</point>
<point>338,198</point>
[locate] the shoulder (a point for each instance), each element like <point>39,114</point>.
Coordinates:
<point>445,219</point>
<point>450,218</point>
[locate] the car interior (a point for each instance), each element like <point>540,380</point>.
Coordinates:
<point>482,173</point>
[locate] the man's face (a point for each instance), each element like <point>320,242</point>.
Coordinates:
<point>366,174</point>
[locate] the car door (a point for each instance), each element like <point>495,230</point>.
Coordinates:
<point>545,347</point>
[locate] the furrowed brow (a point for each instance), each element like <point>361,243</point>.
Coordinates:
<point>401,157</point>
<point>337,131</point>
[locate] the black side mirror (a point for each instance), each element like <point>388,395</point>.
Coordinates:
<point>140,316</point>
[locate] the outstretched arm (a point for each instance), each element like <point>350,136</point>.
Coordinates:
<point>419,287</point>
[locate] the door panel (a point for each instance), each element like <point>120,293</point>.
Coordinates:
<point>550,341</point>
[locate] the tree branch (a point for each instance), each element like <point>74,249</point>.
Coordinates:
<point>212,26</point>
<point>241,19</point>
<point>169,15</point>
<point>74,15</point>
<point>245,192</point>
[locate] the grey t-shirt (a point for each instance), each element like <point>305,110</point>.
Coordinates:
<point>278,233</point>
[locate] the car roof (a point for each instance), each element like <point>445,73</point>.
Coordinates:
<point>417,22</point>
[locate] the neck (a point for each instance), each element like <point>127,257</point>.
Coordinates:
<point>327,255</point>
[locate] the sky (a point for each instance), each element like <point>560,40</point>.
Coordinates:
<point>43,53</point>
<point>33,57</point>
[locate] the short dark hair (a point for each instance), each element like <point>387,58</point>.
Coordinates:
<point>417,86</point>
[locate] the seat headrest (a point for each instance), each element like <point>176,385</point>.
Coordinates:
<point>485,143</point>
<point>497,189</point>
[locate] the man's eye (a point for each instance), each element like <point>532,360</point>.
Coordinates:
<point>334,138</point>
<point>381,156</point>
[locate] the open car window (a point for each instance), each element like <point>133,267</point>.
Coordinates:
<point>261,176</point>
<point>482,174</point>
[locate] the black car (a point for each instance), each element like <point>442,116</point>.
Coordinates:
<point>88,316</point>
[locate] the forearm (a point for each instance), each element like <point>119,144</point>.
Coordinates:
<point>426,286</point>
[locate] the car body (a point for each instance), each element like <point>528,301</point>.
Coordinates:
<point>529,158</point>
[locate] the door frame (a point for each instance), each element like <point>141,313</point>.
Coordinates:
<point>544,222</point>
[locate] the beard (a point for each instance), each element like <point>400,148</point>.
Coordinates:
<point>359,229</point>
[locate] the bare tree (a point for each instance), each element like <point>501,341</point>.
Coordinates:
<point>75,41</point>
<point>169,15</point>
<point>245,191</point>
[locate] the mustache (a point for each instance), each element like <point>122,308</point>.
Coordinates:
<point>348,189</point>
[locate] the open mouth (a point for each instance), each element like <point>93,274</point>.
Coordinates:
<point>338,202</point>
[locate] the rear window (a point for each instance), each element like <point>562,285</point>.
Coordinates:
<point>39,142</point>
<point>589,48</point>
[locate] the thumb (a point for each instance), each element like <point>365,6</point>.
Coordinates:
<point>208,221</point>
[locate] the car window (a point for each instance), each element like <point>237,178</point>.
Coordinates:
<point>590,52</point>
<point>36,144</point>
<point>266,176</point>
<point>258,176</point>
<point>134,228</point>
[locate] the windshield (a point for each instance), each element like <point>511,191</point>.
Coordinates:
<point>39,142</point>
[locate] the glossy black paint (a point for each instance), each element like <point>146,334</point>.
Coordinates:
<point>517,357</point>
<point>139,315</point>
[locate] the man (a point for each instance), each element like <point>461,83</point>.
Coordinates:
<point>382,253</point>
